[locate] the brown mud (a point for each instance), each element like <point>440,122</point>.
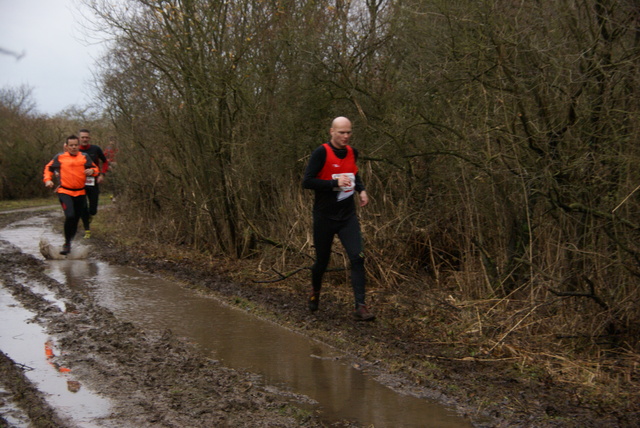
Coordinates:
<point>153,380</point>
<point>158,380</point>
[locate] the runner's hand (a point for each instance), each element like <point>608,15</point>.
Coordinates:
<point>344,181</point>
<point>364,198</point>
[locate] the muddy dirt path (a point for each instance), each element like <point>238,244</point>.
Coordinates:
<point>152,380</point>
<point>98,355</point>
<point>158,380</point>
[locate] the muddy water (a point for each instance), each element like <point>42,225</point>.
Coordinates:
<point>26,343</point>
<point>335,385</point>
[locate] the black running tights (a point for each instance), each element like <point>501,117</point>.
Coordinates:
<point>73,207</point>
<point>324,229</point>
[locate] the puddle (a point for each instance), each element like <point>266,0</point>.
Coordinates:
<point>239,340</point>
<point>26,235</point>
<point>27,344</point>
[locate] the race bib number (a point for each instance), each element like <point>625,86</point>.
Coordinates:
<point>346,191</point>
<point>91,181</point>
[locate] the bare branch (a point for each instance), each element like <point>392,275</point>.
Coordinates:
<point>591,294</point>
<point>283,276</point>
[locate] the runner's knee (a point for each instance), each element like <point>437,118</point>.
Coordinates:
<point>357,261</point>
<point>320,266</point>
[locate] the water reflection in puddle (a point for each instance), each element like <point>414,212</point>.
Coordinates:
<point>242,341</point>
<point>27,344</point>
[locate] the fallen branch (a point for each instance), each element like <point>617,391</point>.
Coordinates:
<point>267,240</point>
<point>591,294</point>
<point>283,276</point>
<point>475,359</point>
<point>578,207</point>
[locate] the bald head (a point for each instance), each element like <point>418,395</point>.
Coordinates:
<point>340,121</point>
<point>340,132</point>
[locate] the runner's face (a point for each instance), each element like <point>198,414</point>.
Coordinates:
<point>84,139</point>
<point>340,134</point>
<point>73,147</point>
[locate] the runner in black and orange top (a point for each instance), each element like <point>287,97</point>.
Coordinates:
<point>333,175</point>
<point>92,186</point>
<point>72,167</point>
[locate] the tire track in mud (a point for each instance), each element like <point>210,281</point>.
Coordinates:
<point>22,393</point>
<point>153,379</point>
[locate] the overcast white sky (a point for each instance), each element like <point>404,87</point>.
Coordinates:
<point>57,62</point>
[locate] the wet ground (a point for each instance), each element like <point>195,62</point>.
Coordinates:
<point>141,362</point>
<point>69,361</point>
<point>83,328</point>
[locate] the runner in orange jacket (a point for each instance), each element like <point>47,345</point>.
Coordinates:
<point>73,168</point>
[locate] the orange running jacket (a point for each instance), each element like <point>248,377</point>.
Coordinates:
<point>71,170</point>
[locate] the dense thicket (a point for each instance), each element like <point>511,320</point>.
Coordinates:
<point>22,139</point>
<point>498,138</point>
<point>29,139</point>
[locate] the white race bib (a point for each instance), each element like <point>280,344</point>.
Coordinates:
<point>91,181</point>
<point>345,192</point>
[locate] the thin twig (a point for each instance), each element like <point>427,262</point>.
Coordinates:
<point>513,328</point>
<point>625,199</point>
<point>24,367</point>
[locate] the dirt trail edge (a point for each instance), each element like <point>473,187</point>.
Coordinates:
<point>153,380</point>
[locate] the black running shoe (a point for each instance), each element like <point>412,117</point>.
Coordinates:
<point>314,301</point>
<point>66,249</point>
